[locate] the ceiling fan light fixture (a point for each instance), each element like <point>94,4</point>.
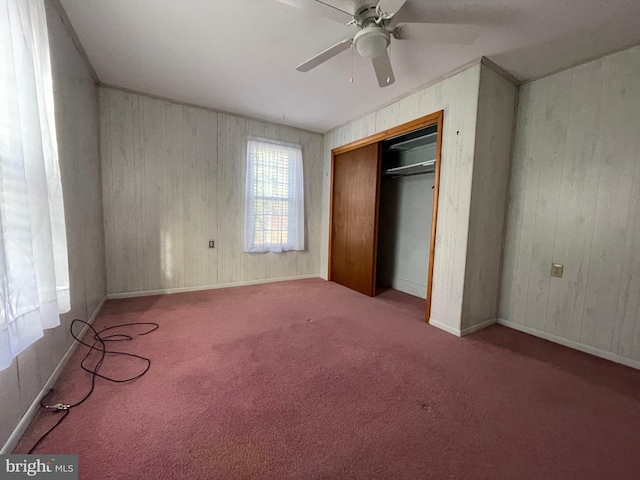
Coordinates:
<point>371,42</point>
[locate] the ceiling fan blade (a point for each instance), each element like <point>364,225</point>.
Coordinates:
<point>323,8</point>
<point>391,6</point>
<point>324,56</point>
<point>438,33</point>
<point>384,72</point>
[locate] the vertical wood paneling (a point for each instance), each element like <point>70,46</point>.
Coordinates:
<point>328,143</point>
<point>576,211</point>
<point>387,117</point>
<point>409,108</point>
<point>231,170</point>
<point>107,186</point>
<point>207,194</point>
<point>626,321</point>
<point>172,232</point>
<point>139,197</point>
<point>309,260</point>
<point>123,191</point>
<point>575,200</point>
<point>86,119</point>
<point>461,91</point>
<point>193,242</point>
<point>549,122</point>
<point>530,185</point>
<point>626,334</point>
<point>520,232</point>
<point>617,153</point>
<point>176,181</point>
<point>213,208</point>
<point>363,127</point>
<point>488,198</point>
<point>153,195</point>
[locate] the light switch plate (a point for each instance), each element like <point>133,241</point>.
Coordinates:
<point>556,270</point>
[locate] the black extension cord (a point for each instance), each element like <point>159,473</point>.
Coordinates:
<point>102,348</point>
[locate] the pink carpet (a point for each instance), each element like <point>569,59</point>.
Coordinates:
<point>308,379</point>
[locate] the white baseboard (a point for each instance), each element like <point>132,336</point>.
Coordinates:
<point>571,344</point>
<point>166,291</point>
<point>445,327</point>
<point>464,331</point>
<point>35,406</point>
<point>479,326</point>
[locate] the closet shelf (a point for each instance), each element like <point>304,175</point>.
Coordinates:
<point>418,142</point>
<point>413,169</point>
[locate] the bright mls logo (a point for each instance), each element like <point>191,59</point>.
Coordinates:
<point>52,467</point>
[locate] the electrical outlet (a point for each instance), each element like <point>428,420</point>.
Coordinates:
<point>556,270</point>
<point>212,243</point>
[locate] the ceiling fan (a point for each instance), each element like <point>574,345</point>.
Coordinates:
<point>378,21</point>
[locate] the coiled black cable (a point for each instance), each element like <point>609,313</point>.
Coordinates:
<point>99,345</point>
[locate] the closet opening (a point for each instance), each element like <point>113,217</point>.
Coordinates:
<point>408,165</point>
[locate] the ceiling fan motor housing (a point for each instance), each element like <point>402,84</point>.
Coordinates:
<point>371,41</point>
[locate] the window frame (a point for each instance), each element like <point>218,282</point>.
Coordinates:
<point>294,198</point>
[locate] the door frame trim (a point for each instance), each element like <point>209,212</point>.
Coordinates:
<point>436,118</point>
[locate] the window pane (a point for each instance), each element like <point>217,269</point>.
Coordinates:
<point>271,169</point>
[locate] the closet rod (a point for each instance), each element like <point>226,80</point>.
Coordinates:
<point>410,169</point>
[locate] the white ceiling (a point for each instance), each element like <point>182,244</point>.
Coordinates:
<point>240,55</point>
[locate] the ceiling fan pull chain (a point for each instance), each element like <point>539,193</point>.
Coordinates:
<point>352,48</point>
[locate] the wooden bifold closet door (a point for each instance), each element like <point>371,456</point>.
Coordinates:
<point>354,228</point>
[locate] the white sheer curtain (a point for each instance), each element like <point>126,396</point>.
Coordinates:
<point>274,199</point>
<point>34,273</point>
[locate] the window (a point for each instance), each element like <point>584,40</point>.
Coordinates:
<point>274,200</point>
<point>34,273</point>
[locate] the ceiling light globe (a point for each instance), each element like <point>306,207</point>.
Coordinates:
<point>371,42</point>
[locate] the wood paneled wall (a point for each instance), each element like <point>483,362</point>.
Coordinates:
<point>492,159</point>
<point>458,97</point>
<point>76,108</point>
<point>173,179</point>
<point>575,199</point>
